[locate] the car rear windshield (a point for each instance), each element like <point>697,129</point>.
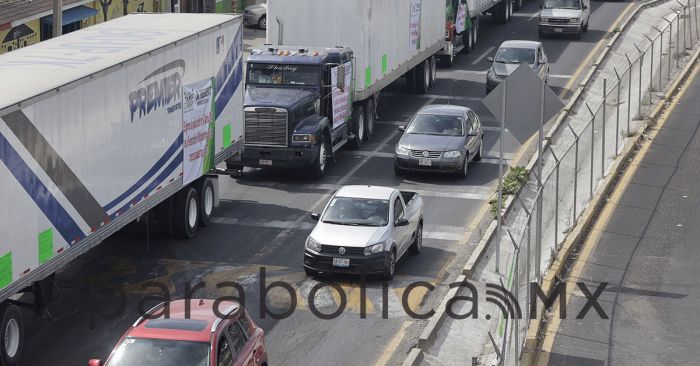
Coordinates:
<point>562,4</point>
<point>275,74</point>
<point>159,352</point>
<point>430,124</point>
<point>515,55</point>
<point>357,212</point>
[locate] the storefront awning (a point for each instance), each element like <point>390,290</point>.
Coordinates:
<point>72,15</point>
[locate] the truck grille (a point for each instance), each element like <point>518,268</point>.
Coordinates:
<point>431,154</point>
<point>266,127</point>
<point>332,249</point>
<point>558,21</point>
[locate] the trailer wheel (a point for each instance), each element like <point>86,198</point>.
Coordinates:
<point>11,335</point>
<point>517,5</point>
<point>358,126</point>
<point>369,119</point>
<point>433,71</point>
<point>206,200</point>
<point>186,213</point>
<point>509,8</point>
<point>501,12</point>
<point>475,31</point>
<point>469,41</point>
<point>422,72</point>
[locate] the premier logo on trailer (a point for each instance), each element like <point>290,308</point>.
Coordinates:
<point>161,88</point>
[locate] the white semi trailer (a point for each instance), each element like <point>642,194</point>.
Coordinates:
<point>103,126</point>
<point>314,87</point>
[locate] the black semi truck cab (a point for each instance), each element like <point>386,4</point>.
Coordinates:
<point>289,108</point>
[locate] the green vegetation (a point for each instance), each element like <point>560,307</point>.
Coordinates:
<point>516,178</point>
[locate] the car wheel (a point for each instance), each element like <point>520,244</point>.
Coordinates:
<point>206,200</point>
<point>11,335</point>
<point>477,157</point>
<point>418,242</point>
<point>262,22</point>
<point>391,266</point>
<point>358,126</point>
<point>186,213</point>
<point>585,27</point>
<point>465,168</point>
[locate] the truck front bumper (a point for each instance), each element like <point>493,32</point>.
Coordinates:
<point>560,28</point>
<point>279,157</point>
<point>359,264</point>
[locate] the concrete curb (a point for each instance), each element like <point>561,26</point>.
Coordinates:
<point>531,355</point>
<point>415,357</point>
<point>427,337</point>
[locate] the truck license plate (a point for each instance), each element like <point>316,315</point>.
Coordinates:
<point>425,162</point>
<point>341,262</point>
<point>558,30</point>
<point>265,162</point>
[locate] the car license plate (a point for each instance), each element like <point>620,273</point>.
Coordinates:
<point>341,262</point>
<point>558,30</point>
<point>425,162</point>
<point>265,162</point>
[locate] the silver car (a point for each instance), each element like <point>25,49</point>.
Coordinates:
<point>440,138</point>
<point>256,15</point>
<point>509,57</point>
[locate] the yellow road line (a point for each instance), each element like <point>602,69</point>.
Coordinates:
<point>592,241</point>
<point>584,64</point>
<point>391,347</point>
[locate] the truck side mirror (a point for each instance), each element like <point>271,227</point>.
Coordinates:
<point>585,7</point>
<point>341,77</point>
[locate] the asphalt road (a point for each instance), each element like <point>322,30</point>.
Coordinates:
<point>645,248</point>
<point>263,222</point>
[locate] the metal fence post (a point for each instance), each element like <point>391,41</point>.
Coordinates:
<point>527,265</point>
<point>678,42</point>
<point>685,46</point>
<point>629,93</point>
<point>605,117</point>
<point>641,64</point>
<point>516,285</point>
<point>575,171</point>
<point>661,57</point>
<point>670,43</point>
<point>556,202</point>
<point>590,189</point>
<point>651,70</point>
<point>617,112</point>
<point>695,10</point>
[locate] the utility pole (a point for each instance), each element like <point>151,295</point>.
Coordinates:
<point>57,18</point>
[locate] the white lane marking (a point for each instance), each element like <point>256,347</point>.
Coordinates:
<point>273,224</point>
<point>392,123</point>
<point>477,195</point>
<point>493,161</point>
<point>525,15</point>
<point>469,72</point>
<point>435,96</point>
<point>491,128</point>
<point>436,235</point>
<point>484,55</point>
<point>558,76</point>
<point>494,155</point>
<point>378,154</point>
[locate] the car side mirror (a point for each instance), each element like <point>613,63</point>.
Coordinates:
<point>315,216</point>
<point>401,128</point>
<point>95,362</point>
<point>402,222</point>
<point>473,134</point>
<point>585,7</point>
<point>489,59</point>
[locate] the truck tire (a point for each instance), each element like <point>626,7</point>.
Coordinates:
<point>517,5</point>
<point>186,215</point>
<point>369,119</point>
<point>509,8</point>
<point>206,201</point>
<point>423,77</point>
<point>358,126</point>
<point>501,13</point>
<point>11,335</point>
<point>391,266</point>
<point>417,245</point>
<point>433,71</point>
<point>475,31</point>
<point>468,40</point>
<point>318,169</point>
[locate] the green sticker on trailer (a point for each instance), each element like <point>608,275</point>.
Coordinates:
<point>385,65</point>
<point>368,77</point>
<point>45,246</point>
<point>227,136</point>
<point>6,270</point>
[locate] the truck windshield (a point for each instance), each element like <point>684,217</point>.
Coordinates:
<point>562,4</point>
<point>357,212</point>
<point>515,55</point>
<point>276,74</point>
<point>159,352</point>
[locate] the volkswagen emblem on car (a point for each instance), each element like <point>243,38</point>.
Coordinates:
<point>426,154</point>
<point>341,250</point>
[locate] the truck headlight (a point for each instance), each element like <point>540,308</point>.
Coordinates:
<point>313,245</point>
<point>452,154</point>
<point>543,20</point>
<point>374,249</point>
<point>400,150</point>
<point>575,20</point>
<point>304,138</point>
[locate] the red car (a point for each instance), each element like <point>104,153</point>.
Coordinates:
<point>202,339</point>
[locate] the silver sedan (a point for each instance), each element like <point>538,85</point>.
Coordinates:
<point>256,15</point>
<point>440,138</point>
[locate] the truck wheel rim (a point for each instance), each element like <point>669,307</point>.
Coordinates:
<point>208,201</point>
<point>361,126</point>
<point>192,213</point>
<point>322,157</point>
<point>427,75</point>
<point>12,338</point>
<point>370,121</point>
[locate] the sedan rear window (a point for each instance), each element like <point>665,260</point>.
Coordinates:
<point>430,124</point>
<point>159,352</point>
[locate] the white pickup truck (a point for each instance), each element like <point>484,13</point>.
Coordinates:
<point>365,230</point>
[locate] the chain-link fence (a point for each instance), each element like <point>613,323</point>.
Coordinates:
<point>606,117</point>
